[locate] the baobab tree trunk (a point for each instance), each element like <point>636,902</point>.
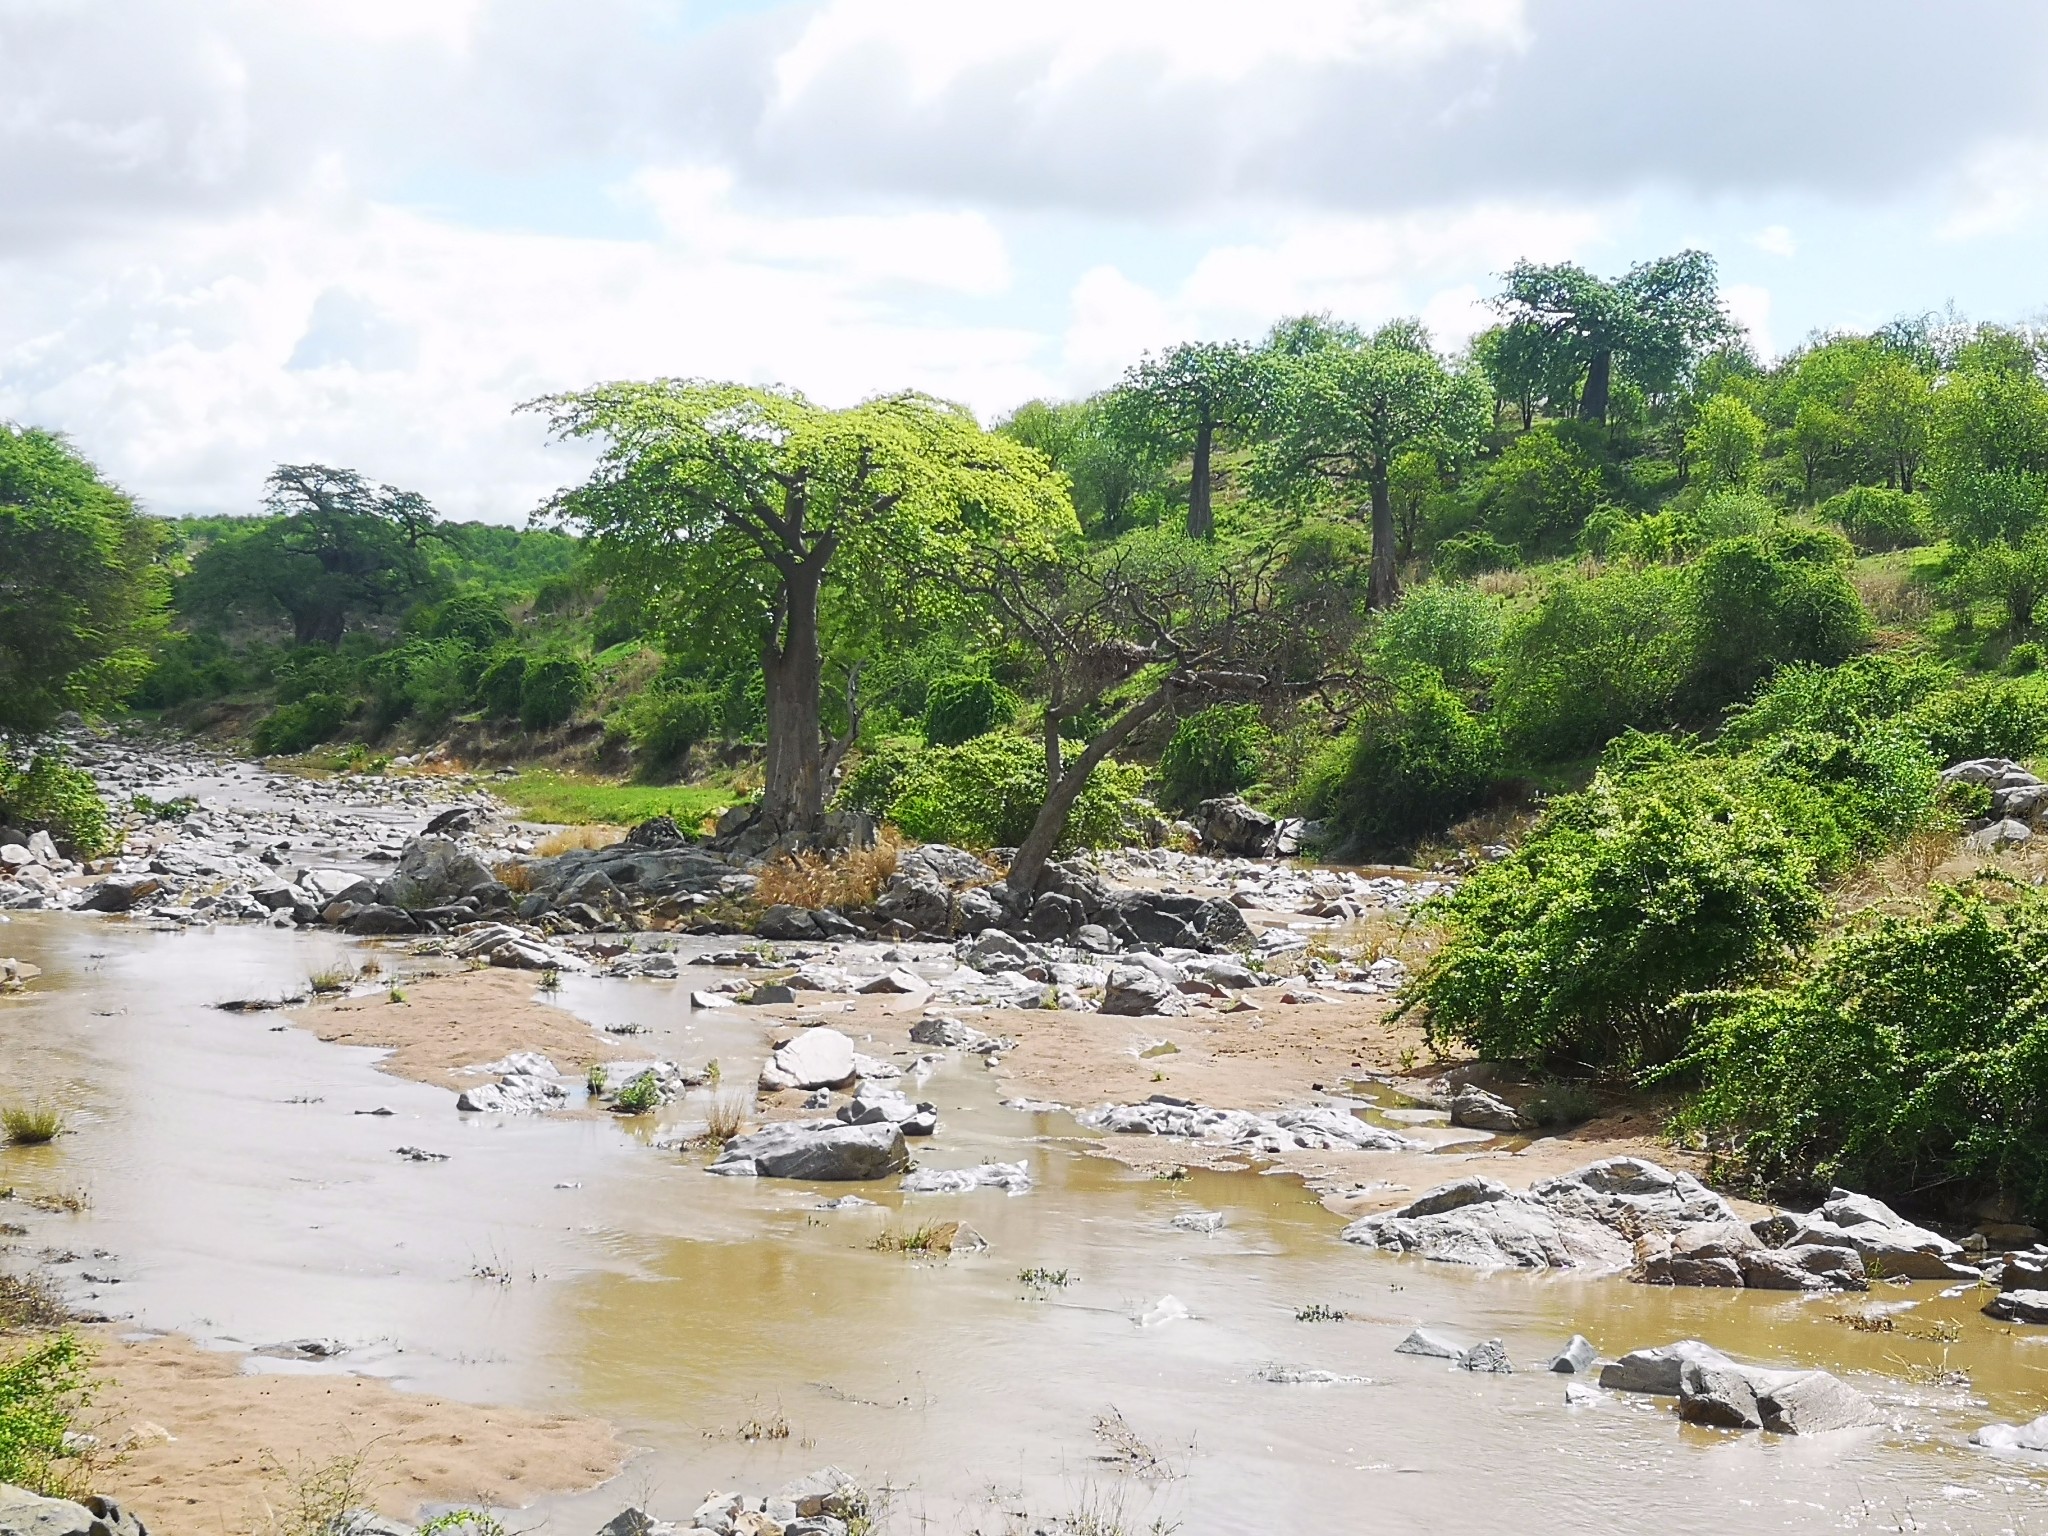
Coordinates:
<point>1599,380</point>
<point>1061,792</point>
<point>1201,514</point>
<point>1385,584</point>
<point>793,798</point>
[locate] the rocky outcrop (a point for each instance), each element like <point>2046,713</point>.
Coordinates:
<point>1236,829</point>
<point>26,1514</point>
<point>1725,1395</point>
<point>1885,1242</point>
<point>816,1058</point>
<point>1309,1129</point>
<point>1574,1220</point>
<point>1476,1109</point>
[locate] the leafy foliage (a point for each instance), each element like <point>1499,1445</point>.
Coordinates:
<point>52,795</point>
<point>985,793</point>
<point>1216,751</point>
<point>550,689</point>
<point>1877,518</point>
<point>1414,764</point>
<point>959,709</point>
<point>43,1386</point>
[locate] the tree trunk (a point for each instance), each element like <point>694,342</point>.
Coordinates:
<point>1061,793</point>
<point>1906,475</point>
<point>1201,516</point>
<point>793,799</point>
<point>1599,377</point>
<point>1385,584</point>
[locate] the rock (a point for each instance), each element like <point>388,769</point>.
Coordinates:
<point>1658,1370</point>
<point>977,910</point>
<point>1718,1393</point>
<point>1812,1403</point>
<point>2024,1272</point>
<point>1231,827</point>
<point>827,1491</point>
<point>118,893</point>
<point>786,922</point>
<point>768,995</point>
<point>1490,1357</point>
<point>820,1150</point>
<point>658,832</point>
<point>938,1029</point>
<point>875,1106</point>
<point>897,982</point>
<point>2013,1437</point>
<point>1576,1358</point>
<point>995,951</point>
<point>1054,916</point>
<point>1136,993</point>
<point>43,849</point>
<point>1012,1178</point>
<point>26,1514</point>
<point>717,1513</point>
<point>1094,938</point>
<point>1305,1376</point>
<point>919,901</point>
<point>943,864</point>
<point>1708,1254</point>
<point>1311,1129</point>
<point>1807,1267</point>
<point>331,885</point>
<point>434,870</point>
<point>628,1522</point>
<point>1888,1244</point>
<point>816,1058</point>
<point>1987,771</point>
<point>1434,1346</point>
<point>379,921</point>
<point>2018,1307</point>
<point>1198,1221</point>
<point>1475,1108</point>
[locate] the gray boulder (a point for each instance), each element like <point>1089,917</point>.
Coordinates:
<point>1576,1358</point>
<point>1134,992</point>
<point>918,901</point>
<point>1230,826</point>
<point>995,950</point>
<point>976,910</point>
<point>2018,1307</point>
<point>786,923</point>
<point>943,864</point>
<point>2013,1437</point>
<point>1721,1394</point>
<point>26,1514</point>
<point>1888,1244</point>
<point>816,1058</point>
<point>1430,1345</point>
<point>433,871</point>
<point>1490,1357</point>
<point>118,893</point>
<point>822,1150</point>
<point>1476,1109</point>
<point>1812,1403</point>
<point>1658,1370</point>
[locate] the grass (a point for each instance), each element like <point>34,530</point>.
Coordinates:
<point>725,1118</point>
<point>577,800</point>
<point>596,834</point>
<point>811,881</point>
<point>331,978</point>
<point>30,1126</point>
<point>1039,1278</point>
<point>930,1237</point>
<point>313,1496</point>
<point>1317,1312</point>
<point>639,1097</point>
<point>43,1389</point>
<point>30,1304</point>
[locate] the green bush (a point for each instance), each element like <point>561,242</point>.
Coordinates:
<point>1472,554</point>
<point>550,690</point>
<point>1991,717</point>
<point>43,1386</point>
<point>1757,606</point>
<point>1583,947</point>
<point>1594,657</point>
<point>1842,701</point>
<point>498,684</point>
<point>50,795</point>
<point>300,725</point>
<point>1842,798</point>
<point>471,616</point>
<point>1450,628</point>
<point>876,777</point>
<point>1414,765</point>
<point>1877,519</point>
<point>665,725</point>
<point>985,793</point>
<point>1215,752</point>
<point>958,709</point>
<point>1540,491</point>
<point>1912,1057</point>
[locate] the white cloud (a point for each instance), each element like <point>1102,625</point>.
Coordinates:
<point>1775,240</point>
<point>2002,185</point>
<point>1751,307</point>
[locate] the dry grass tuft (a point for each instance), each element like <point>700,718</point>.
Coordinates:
<point>1894,599</point>
<point>577,840</point>
<point>726,1118</point>
<point>811,881</point>
<point>1900,878</point>
<point>516,875</point>
<point>30,1304</point>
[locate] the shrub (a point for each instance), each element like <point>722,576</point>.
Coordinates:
<point>1540,491</point>
<point>985,793</point>
<point>1594,657</point>
<point>876,778</point>
<point>1584,946</point>
<point>58,798</point>
<point>550,690</point>
<point>1844,798</point>
<point>1473,554</point>
<point>470,616</point>
<point>1878,519</point>
<point>300,725</point>
<point>42,1389</point>
<point>1911,1058</point>
<point>1414,765</point>
<point>1451,628</point>
<point>1757,606</point>
<point>958,709</point>
<point>498,684</point>
<point>1215,752</point>
<point>1992,717</point>
<point>1841,700</point>
<point>30,1125</point>
<point>665,725</point>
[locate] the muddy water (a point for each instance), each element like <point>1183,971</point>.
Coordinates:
<point>236,1194</point>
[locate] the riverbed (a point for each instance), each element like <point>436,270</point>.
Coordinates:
<point>736,1334</point>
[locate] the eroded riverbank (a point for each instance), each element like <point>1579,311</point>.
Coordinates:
<point>560,1265</point>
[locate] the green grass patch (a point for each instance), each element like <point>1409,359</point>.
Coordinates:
<point>574,800</point>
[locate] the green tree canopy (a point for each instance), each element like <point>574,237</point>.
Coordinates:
<point>81,596</point>
<point>1179,400</point>
<point>741,510</point>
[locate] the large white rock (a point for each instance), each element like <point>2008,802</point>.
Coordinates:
<point>817,1058</point>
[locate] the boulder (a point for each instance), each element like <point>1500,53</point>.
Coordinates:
<point>898,982</point>
<point>943,864</point>
<point>876,1106</point>
<point>919,901</point>
<point>1812,1403</point>
<point>821,1150</point>
<point>326,886</point>
<point>379,921</point>
<point>1434,1346</point>
<point>816,1058</point>
<point>1658,1370</point>
<point>1887,1243</point>
<point>976,910</point>
<point>1235,829</point>
<point>1709,1254</point>
<point>1134,992</point>
<point>1476,1109</point>
<point>2018,1307</point>
<point>1054,916</point>
<point>827,1491</point>
<point>658,832</point>
<point>26,1514</point>
<point>1576,1358</point>
<point>786,923</point>
<point>995,951</point>
<point>2024,1272</point>
<point>43,849</point>
<point>2013,1437</point>
<point>1490,1357</point>
<point>1718,1393</point>
<point>2005,833</point>
<point>118,893</point>
<point>433,871</point>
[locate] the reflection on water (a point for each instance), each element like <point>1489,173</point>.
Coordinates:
<point>237,1194</point>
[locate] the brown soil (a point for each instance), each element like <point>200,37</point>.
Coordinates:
<point>459,1020</point>
<point>210,1449</point>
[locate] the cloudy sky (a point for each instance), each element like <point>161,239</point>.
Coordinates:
<point>235,232</point>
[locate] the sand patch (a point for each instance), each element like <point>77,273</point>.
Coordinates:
<point>457,1020</point>
<point>228,1430</point>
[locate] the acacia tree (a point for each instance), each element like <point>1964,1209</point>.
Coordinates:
<point>1654,321</point>
<point>1181,399</point>
<point>336,548</point>
<point>81,595</point>
<point>746,510</point>
<point>1344,413</point>
<point>1151,622</point>
<point>1893,406</point>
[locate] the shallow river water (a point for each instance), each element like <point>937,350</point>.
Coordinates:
<point>563,1264</point>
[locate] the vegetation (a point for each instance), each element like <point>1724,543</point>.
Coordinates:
<point>540,795</point>
<point>44,1386</point>
<point>49,795</point>
<point>30,1125</point>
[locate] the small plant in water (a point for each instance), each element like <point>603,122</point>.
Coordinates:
<point>30,1126</point>
<point>330,978</point>
<point>594,1079</point>
<point>640,1096</point>
<point>1316,1312</point>
<point>725,1118</point>
<point>550,980</point>
<point>1408,1057</point>
<point>1171,1175</point>
<point>922,1239</point>
<point>1039,1278</point>
<point>771,1426</point>
<point>395,995</point>
<point>713,1073</point>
